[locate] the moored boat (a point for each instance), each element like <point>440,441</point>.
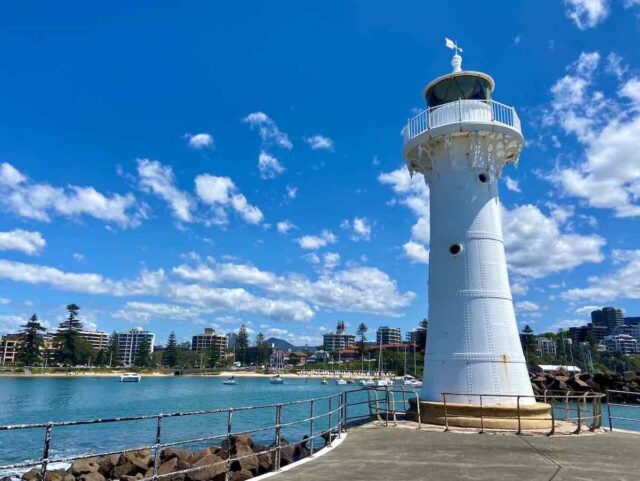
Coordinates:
<point>130,377</point>
<point>277,379</point>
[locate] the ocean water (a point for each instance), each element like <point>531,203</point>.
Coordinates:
<point>34,400</point>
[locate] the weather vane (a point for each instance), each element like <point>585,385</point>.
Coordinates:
<point>452,44</point>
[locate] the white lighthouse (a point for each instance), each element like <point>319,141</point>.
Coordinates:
<point>461,143</point>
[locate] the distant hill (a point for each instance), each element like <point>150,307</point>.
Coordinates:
<point>285,345</point>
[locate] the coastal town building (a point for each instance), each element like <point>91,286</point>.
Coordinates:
<point>298,358</point>
<point>388,335</point>
<point>632,321</point>
<point>204,342</point>
<point>415,335</point>
<point>622,343</point>
<point>545,346</point>
<point>98,339</point>
<point>588,333</point>
<point>334,341</point>
<point>129,343</point>
<point>9,345</point>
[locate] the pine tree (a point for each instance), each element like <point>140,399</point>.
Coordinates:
<point>143,355</point>
<point>361,331</point>
<point>171,352</point>
<point>421,336</point>
<point>242,345</point>
<point>214,355</point>
<point>31,344</point>
<point>72,348</point>
<point>262,349</point>
<point>529,344</point>
<point>113,348</point>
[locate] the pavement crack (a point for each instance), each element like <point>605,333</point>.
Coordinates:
<point>544,455</point>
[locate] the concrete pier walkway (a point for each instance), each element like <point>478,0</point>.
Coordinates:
<point>374,453</point>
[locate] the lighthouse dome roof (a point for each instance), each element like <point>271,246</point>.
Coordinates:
<point>462,85</point>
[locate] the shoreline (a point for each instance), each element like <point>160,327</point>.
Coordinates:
<point>221,374</point>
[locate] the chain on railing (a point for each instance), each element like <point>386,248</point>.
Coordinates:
<point>336,409</point>
<point>461,111</point>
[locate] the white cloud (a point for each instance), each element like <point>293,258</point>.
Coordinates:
<point>622,283</point>
<point>292,192</point>
<point>319,142</point>
<point>269,166</point>
<point>587,13</point>
<point>586,309</point>
<point>30,243</point>
<point>359,289</point>
<point>615,65</point>
<point>200,141</point>
<point>360,228</point>
<point>416,252</point>
<point>325,238</point>
<point>511,184</point>
<point>565,324</point>
<point>38,201</point>
<point>4,301</point>
<point>536,246</point>
<point>160,180</point>
<point>78,256</point>
<point>607,127</point>
<point>268,130</point>
<point>220,193</point>
<point>331,260</point>
<point>285,226</point>
<point>528,306</point>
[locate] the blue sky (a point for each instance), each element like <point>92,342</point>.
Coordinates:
<point>181,165</point>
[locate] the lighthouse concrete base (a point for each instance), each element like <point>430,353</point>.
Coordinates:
<point>490,416</point>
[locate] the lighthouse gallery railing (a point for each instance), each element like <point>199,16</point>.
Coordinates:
<point>461,111</point>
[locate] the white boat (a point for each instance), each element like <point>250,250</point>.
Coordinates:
<point>130,377</point>
<point>230,381</point>
<point>324,381</point>
<point>341,382</point>
<point>382,382</point>
<point>277,379</point>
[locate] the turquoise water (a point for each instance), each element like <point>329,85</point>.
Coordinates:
<point>33,400</point>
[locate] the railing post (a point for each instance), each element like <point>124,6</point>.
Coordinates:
<point>227,465</point>
<point>312,416</point>
<point>481,416</point>
<point>386,416</point>
<point>553,419</point>
<point>519,420</point>
<point>278,438</point>
<point>45,451</point>
<point>446,421</point>
<point>156,448</point>
<point>340,415</point>
<point>330,428</point>
<point>579,418</point>
<point>609,411</point>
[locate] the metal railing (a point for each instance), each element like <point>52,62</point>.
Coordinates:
<point>333,417</point>
<point>461,111</point>
<point>567,402</point>
<point>632,396</point>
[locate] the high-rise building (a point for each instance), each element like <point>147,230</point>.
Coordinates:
<point>388,335</point>
<point>129,343</point>
<point>203,342</point>
<point>590,332</point>
<point>632,321</point>
<point>334,341</point>
<point>608,317</point>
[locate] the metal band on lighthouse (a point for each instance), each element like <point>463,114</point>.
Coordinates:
<point>460,144</point>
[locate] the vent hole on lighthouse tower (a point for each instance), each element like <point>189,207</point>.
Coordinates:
<point>455,249</point>
<point>483,178</point>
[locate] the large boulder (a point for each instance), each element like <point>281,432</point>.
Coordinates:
<point>123,469</point>
<point>95,476</point>
<point>246,460</point>
<point>265,460</point>
<point>84,466</point>
<point>141,459</point>
<point>34,475</point>
<point>181,454</point>
<point>238,440</point>
<point>240,475</point>
<point>212,468</point>
<point>107,463</point>
<point>629,376</point>
<point>167,467</point>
